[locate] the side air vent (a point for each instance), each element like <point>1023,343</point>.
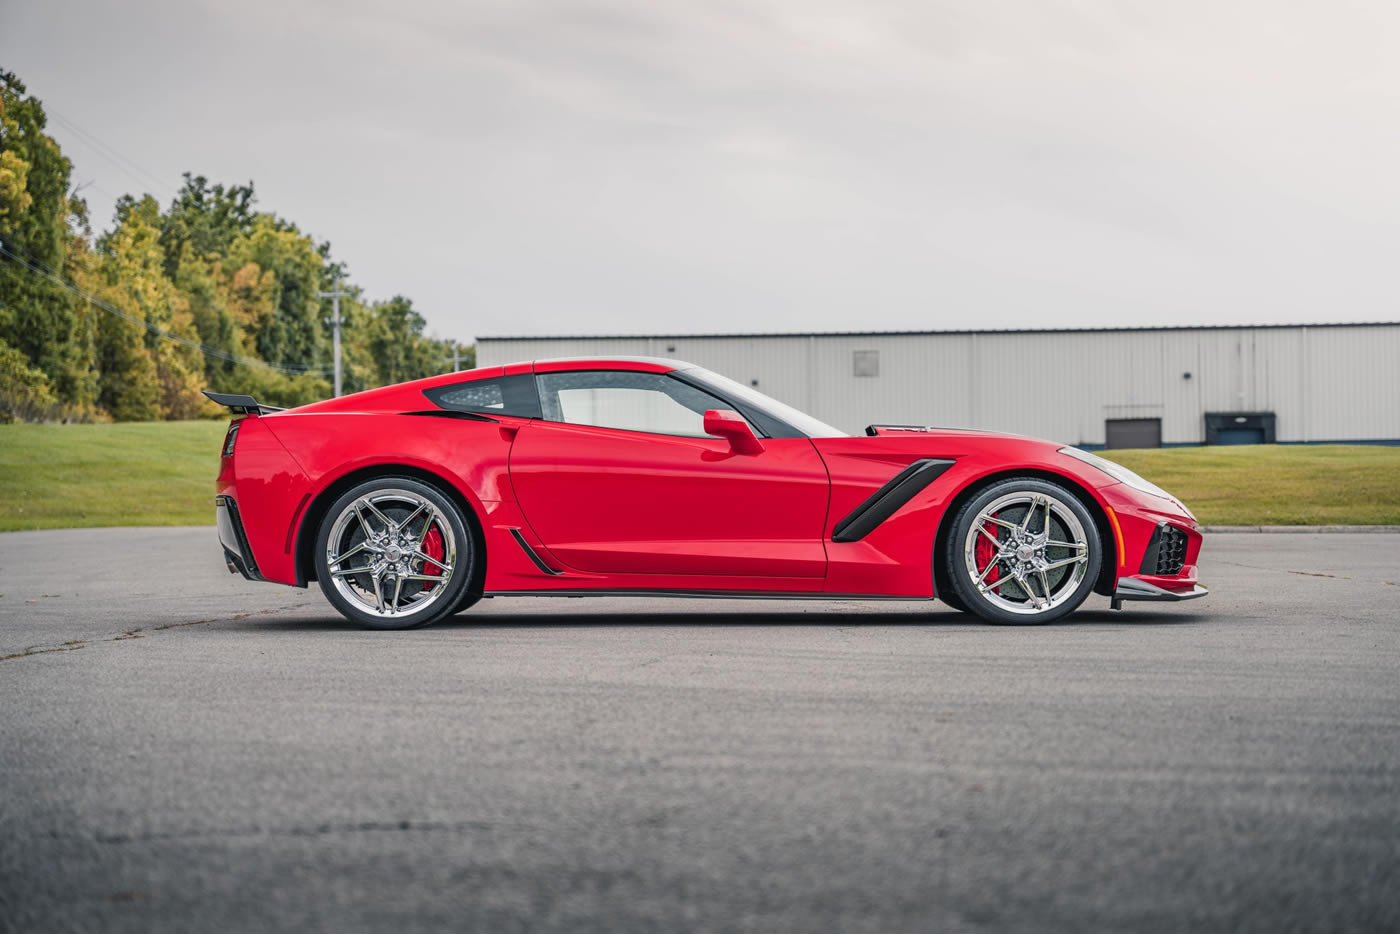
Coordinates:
<point>1166,552</point>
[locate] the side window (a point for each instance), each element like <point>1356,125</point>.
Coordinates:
<point>504,395</point>
<point>650,402</point>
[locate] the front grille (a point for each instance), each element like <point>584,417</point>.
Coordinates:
<point>1166,552</point>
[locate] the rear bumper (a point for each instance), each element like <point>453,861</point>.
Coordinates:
<point>237,554</point>
<point>1132,588</point>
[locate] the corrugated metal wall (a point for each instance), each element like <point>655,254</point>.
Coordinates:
<point>1324,383</point>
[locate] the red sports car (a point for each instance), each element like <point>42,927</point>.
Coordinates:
<point>632,475</point>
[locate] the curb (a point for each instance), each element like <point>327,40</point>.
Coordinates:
<point>1302,529</point>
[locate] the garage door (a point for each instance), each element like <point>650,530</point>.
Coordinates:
<point>1133,433</point>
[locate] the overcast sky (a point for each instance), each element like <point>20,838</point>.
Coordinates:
<point>602,167</point>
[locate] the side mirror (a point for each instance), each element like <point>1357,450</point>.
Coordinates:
<point>730,425</point>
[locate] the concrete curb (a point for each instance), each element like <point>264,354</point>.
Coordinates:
<point>1302,529</point>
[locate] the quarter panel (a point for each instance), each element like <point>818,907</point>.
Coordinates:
<point>268,486</point>
<point>897,557</point>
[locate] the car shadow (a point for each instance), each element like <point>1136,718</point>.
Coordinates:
<point>937,615</point>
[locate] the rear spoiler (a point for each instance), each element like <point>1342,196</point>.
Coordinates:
<point>241,405</point>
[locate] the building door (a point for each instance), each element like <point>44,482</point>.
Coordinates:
<point>1133,433</point>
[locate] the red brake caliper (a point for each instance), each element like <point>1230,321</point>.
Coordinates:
<point>983,552</point>
<point>432,547</point>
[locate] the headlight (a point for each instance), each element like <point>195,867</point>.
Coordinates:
<point>1123,475</point>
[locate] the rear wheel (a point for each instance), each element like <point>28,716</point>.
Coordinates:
<point>394,553</point>
<point>1023,551</point>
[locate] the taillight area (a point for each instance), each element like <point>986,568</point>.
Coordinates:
<point>230,438</point>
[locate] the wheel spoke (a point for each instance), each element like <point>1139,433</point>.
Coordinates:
<point>995,541</point>
<point>987,570</point>
<point>388,523</point>
<point>1044,583</point>
<point>398,588</point>
<point>1026,519</point>
<point>437,562</point>
<point>364,523</point>
<point>995,584</point>
<point>1033,598</point>
<point>1076,545</point>
<point>422,507</point>
<point>1075,559</point>
<point>362,546</point>
<point>351,572</point>
<point>1001,522</point>
<point>378,594</point>
<point>431,578</point>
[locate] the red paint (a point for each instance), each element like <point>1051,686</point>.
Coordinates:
<point>623,510</point>
<point>433,548</point>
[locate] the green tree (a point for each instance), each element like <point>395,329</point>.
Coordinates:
<point>36,314</point>
<point>145,374</point>
<point>396,342</point>
<point>295,334</point>
<point>205,219</point>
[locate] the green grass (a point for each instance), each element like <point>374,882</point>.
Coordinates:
<point>79,476</point>
<point>1290,484</point>
<point>162,473</point>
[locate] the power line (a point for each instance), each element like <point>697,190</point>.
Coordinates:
<point>37,268</point>
<point>111,154</point>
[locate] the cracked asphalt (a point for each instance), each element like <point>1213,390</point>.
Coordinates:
<point>183,750</point>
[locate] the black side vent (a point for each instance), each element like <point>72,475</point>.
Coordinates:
<point>1166,552</point>
<point>884,502</point>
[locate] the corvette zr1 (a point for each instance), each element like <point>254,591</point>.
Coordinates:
<point>633,475</point>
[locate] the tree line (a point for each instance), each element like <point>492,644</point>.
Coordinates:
<point>207,292</point>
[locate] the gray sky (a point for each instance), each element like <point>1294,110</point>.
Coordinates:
<point>522,167</point>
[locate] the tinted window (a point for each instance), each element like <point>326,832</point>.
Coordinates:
<point>504,395</point>
<point>651,402</point>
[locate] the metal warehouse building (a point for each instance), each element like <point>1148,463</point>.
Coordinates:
<point>1138,387</point>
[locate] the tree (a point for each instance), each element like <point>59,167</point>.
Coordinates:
<point>36,313</point>
<point>205,219</point>
<point>397,343</point>
<point>295,333</point>
<point>209,292</point>
<point>145,373</point>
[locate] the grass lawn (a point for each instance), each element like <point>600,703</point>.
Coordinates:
<point>1285,484</point>
<point>66,476</point>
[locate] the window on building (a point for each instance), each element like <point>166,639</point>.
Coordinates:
<point>867,362</point>
<point>650,402</point>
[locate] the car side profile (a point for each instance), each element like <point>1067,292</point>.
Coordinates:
<point>635,475</point>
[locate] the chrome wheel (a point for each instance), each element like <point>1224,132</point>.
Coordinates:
<point>391,553</point>
<point>1026,552</point>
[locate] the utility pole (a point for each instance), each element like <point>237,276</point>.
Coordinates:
<point>456,361</point>
<point>335,297</point>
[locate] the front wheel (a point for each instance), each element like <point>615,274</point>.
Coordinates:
<point>394,553</point>
<point>1023,551</point>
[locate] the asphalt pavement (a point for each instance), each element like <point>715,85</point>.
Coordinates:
<point>183,750</point>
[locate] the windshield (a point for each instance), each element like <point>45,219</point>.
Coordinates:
<point>809,426</point>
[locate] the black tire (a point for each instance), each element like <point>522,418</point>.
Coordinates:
<point>452,593</point>
<point>1065,587</point>
<point>468,600</point>
<point>952,599</point>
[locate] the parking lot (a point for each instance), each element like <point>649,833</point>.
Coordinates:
<point>182,749</point>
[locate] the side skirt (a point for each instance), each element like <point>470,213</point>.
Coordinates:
<point>706,594</point>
